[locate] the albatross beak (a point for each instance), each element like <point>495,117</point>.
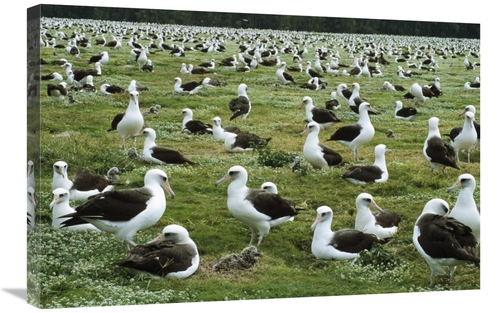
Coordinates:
<point>54,201</point>
<point>167,188</point>
<point>373,204</point>
<point>306,130</point>
<point>158,239</point>
<point>371,109</point>
<point>456,185</point>
<point>316,221</point>
<point>223,179</point>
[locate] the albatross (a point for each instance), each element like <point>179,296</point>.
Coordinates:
<point>189,88</point>
<point>436,151</point>
<point>383,224</point>
<point>443,241</point>
<point>60,206</point>
<point>477,126</point>
<point>363,174</point>
<point>241,105</point>
<point>343,244</point>
<point>405,114</point>
<point>160,155</point>
<point>357,134</point>
<point>283,77</point>
<point>316,153</point>
<point>324,117</point>
<point>31,204</point>
<point>83,184</point>
<point>464,137</point>
<point>125,212</point>
<point>191,126</point>
<point>244,141</point>
<point>57,91</point>
<point>220,132</point>
<point>256,208</point>
<point>333,103</point>
<point>173,254</point>
<point>355,100</point>
<point>466,209</point>
<point>131,122</point>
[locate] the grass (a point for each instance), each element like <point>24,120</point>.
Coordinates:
<point>72,270</point>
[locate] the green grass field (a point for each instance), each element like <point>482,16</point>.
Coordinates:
<point>68,269</point>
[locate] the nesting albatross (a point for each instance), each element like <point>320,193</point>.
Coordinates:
<point>173,254</point>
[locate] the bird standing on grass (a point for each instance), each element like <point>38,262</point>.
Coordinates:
<point>466,210</point>
<point>131,122</point>
<point>256,208</point>
<point>464,137</point>
<point>220,132</point>
<point>31,205</point>
<point>355,135</point>
<point>283,77</point>
<point>241,105</point>
<point>436,151</point>
<point>125,212</point>
<point>442,241</point>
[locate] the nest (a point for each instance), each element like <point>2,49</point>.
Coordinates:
<point>248,257</point>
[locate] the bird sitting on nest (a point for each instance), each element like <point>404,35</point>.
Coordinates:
<point>247,258</point>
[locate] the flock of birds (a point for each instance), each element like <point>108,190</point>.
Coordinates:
<point>445,238</point>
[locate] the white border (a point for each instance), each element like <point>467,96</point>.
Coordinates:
<point>13,247</point>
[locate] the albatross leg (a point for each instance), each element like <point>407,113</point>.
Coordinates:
<point>129,244</point>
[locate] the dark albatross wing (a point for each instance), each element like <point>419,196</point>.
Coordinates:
<point>331,156</point>
<point>248,140</point>
<point>159,259</point>
<point>347,133</point>
<point>169,156</point>
<point>114,123</point>
<point>270,204</point>
<point>441,152</point>
<point>239,106</point>
<point>84,181</point>
<point>442,237</point>
<point>352,240</point>
<point>367,173</point>
<point>115,205</point>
